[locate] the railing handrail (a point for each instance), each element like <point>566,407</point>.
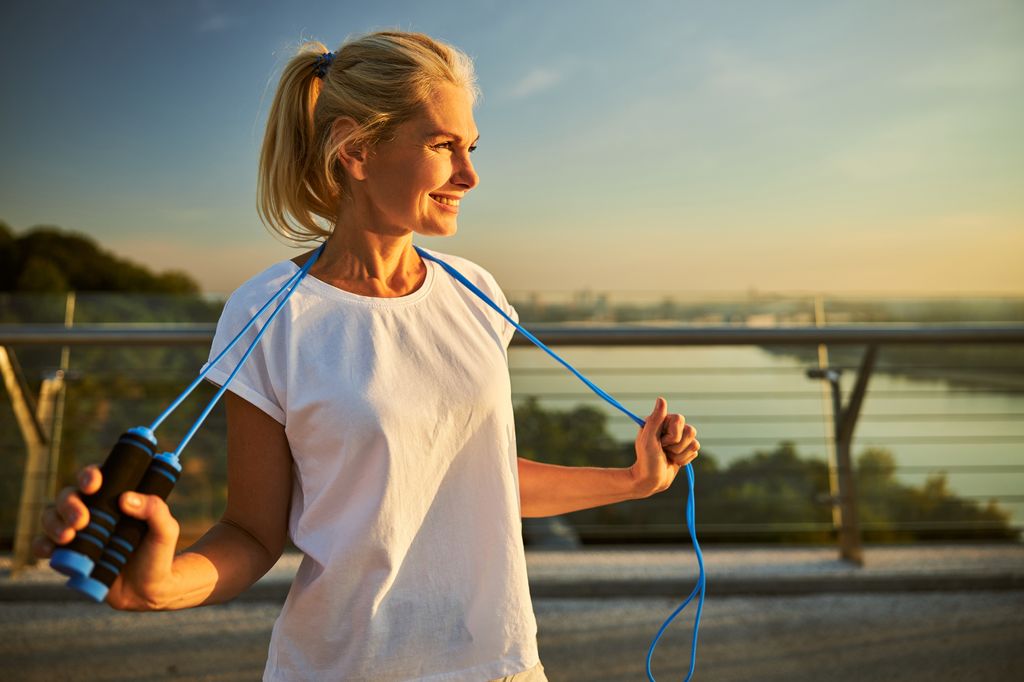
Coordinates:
<point>560,334</point>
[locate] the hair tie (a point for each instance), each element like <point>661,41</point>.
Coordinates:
<point>323,63</point>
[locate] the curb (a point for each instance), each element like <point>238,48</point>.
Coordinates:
<point>780,586</point>
<point>277,590</point>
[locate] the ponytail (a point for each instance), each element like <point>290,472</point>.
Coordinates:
<point>289,197</point>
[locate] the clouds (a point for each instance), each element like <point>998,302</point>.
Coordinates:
<point>734,74</point>
<point>538,80</point>
<point>212,19</point>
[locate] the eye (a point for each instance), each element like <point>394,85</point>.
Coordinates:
<point>450,146</point>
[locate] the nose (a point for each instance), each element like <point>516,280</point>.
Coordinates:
<point>463,173</point>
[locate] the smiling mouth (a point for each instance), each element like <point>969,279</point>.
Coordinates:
<point>446,201</point>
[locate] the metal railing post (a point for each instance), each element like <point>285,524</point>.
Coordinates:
<point>34,478</point>
<point>56,430</point>
<point>830,415</point>
<point>850,548</point>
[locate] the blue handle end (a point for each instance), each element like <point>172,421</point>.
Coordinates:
<point>71,563</point>
<point>170,459</point>
<point>93,589</point>
<point>145,433</point>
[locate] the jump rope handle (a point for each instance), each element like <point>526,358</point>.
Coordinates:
<point>123,469</point>
<point>95,557</point>
<point>159,480</point>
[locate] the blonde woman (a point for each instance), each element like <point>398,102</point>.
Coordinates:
<point>373,424</point>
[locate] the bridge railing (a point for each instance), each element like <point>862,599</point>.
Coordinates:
<point>638,362</point>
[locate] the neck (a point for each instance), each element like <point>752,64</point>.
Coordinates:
<point>370,263</point>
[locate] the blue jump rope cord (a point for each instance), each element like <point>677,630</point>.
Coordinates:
<point>289,288</point>
<point>690,516</point>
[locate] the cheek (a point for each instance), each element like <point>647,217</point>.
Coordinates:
<point>399,195</point>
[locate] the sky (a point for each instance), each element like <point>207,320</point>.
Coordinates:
<point>679,147</point>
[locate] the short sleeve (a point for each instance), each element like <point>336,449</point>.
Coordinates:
<point>489,285</point>
<point>509,330</point>
<point>254,382</point>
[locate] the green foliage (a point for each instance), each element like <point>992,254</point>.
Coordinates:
<point>50,260</point>
<point>577,437</point>
<point>777,487</point>
<point>774,496</point>
<point>933,508</point>
<point>41,276</point>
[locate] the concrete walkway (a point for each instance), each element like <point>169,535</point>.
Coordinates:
<point>637,572</point>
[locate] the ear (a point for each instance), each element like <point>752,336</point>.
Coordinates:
<point>352,155</point>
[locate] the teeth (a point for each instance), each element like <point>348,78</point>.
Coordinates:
<point>445,200</point>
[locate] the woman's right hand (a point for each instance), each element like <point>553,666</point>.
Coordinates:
<point>146,581</point>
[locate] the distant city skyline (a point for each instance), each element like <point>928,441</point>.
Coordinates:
<point>662,146</point>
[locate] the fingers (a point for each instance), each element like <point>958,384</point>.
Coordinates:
<point>89,479</point>
<point>56,528</point>
<point>683,442</point>
<point>677,438</point>
<point>681,449</point>
<point>685,456</point>
<point>673,429</point>
<point>666,439</point>
<point>67,514</point>
<point>42,547</point>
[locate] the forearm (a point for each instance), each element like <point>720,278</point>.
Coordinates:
<point>222,564</point>
<point>550,489</point>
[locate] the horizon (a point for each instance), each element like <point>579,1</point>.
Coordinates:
<point>787,148</point>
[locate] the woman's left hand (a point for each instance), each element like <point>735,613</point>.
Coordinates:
<point>664,445</point>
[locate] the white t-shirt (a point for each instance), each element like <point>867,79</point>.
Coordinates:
<point>405,500</point>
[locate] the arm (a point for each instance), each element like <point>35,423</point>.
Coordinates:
<point>250,536</point>
<point>232,555</point>
<point>663,447</point>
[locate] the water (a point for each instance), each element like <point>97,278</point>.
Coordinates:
<point>743,399</point>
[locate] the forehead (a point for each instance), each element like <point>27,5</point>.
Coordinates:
<point>448,109</point>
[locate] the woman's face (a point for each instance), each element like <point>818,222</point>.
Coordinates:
<point>415,181</point>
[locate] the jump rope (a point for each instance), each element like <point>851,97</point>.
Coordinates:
<point>99,552</point>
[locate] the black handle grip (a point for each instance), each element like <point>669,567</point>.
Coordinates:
<point>159,480</point>
<point>123,469</point>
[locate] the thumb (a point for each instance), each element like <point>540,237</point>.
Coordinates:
<point>163,528</point>
<point>653,423</point>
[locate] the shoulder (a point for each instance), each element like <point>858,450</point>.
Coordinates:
<point>255,291</point>
<point>475,273</point>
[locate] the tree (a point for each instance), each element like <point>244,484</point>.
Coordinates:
<point>31,260</point>
<point>41,276</point>
<point>773,496</point>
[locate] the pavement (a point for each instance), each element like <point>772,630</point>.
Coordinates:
<point>672,572</point>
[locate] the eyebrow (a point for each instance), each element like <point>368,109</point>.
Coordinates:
<point>445,133</point>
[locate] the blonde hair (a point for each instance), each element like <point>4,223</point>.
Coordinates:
<point>380,80</point>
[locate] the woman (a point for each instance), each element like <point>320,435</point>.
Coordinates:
<point>373,423</point>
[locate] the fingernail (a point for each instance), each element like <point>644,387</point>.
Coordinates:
<point>133,500</point>
<point>83,479</point>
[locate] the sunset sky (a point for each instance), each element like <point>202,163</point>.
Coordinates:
<point>685,147</point>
